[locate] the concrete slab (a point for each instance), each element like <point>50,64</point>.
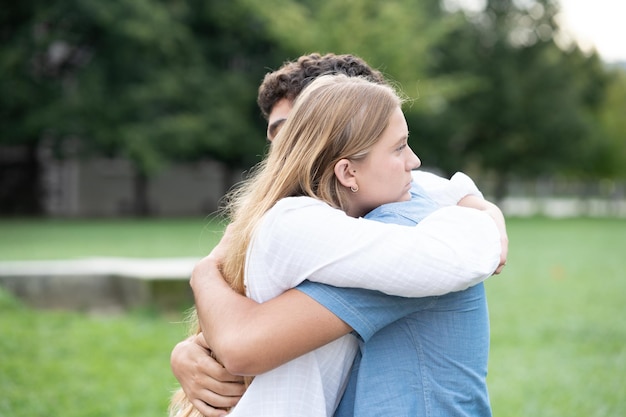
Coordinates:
<point>101,284</point>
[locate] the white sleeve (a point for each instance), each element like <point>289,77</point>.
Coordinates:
<point>446,192</point>
<point>451,250</point>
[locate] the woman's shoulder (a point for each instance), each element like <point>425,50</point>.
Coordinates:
<point>300,202</point>
<point>291,211</point>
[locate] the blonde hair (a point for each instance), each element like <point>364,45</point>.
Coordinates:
<point>336,117</point>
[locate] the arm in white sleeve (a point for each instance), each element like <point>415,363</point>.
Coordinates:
<point>450,250</point>
<point>446,192</point>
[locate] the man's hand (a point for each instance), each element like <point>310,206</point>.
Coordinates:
<point>208,386</point>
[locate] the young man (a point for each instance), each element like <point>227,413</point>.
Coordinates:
<point>410,363</point>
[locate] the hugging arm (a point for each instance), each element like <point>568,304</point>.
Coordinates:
<point>239,337</point>
<point>460,190</point>
<point>236,328</point>
<point>450,250</point>
<point>247,323</point>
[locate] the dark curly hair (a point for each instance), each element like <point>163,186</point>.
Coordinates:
<point>289,80</point>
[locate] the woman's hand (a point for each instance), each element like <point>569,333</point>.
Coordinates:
<point>496,214</point>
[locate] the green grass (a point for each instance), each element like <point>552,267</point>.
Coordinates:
<point>74,365</point>
<point>558,321</point>
<point>558,328</point>
<point>27,239</point>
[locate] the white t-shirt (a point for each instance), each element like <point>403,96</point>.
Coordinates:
<point>303,238</point>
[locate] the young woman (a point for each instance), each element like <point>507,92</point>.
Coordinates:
<point>342,152</point>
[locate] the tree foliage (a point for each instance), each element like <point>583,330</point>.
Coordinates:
<point>526,109</point>
<point>393,36</point>
<point>608,147</point>
<point>147,80</point>
<point>176,80</point>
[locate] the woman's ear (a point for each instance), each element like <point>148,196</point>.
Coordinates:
<point>344,171</point>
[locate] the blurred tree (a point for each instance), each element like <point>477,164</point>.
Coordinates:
<point>610,135</point>
<point>148,80</point>
<point>393,36</point>
<point>526,106</point>
<point>493,91</point>
<point>29,88</point>
<point>176,80</point>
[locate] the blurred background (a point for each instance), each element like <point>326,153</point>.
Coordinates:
<point>147,108</point>
<point>124,122</point>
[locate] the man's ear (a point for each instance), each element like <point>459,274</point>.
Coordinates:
<point>344,171</point>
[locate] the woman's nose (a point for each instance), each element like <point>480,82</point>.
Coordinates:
<point>414,161</point>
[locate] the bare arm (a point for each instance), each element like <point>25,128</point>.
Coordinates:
<point>210,386</point>
<point>297,323</point>
<point>239,343</point>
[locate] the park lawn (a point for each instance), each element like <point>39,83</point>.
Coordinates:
<point>558,322</point>
<point>71,364</point>
<point>44,239</point>
<point>558,334</point>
